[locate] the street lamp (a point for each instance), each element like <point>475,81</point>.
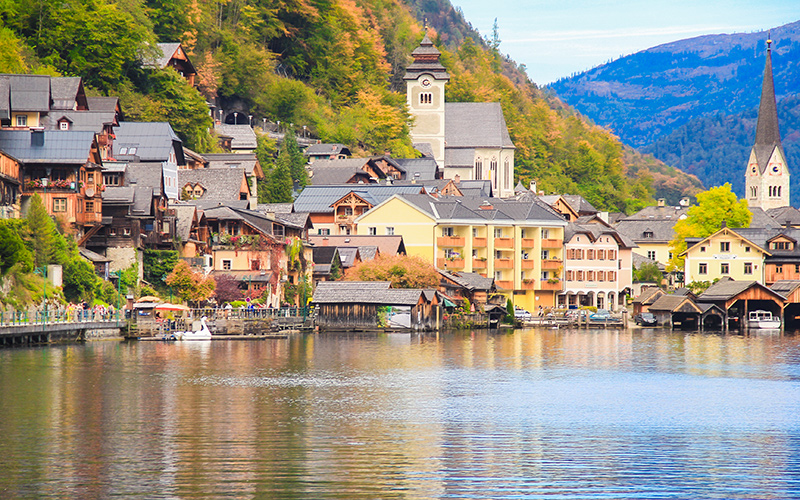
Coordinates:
<point>236,118</point>
<point>264,127</point>
<point>220,115</point>
<point>304,131</point>
<point>250,120</point>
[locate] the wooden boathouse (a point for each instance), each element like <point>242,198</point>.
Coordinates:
<point>367,305</point>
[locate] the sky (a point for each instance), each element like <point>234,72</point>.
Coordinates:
<point>556,38</point>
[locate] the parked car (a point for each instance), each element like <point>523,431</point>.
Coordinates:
<point>645,319</point>
<point>601,315</point>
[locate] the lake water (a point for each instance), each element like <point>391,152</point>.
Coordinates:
<point>530,414</point>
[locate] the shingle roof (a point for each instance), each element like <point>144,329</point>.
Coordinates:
<point>648,295</point>
<point>242,136</point>
<point>333,176</point>
<point>64,92</point>
<point>144,175</point>
<point>102,103</point>
<point>476,125</point>
<point>219,184</point>
<point>725,289</point>
<point>325,149</point>
<point>167,50</point>
<point>421,169</point>
<point>154,141</point>
<point>785,287</point>
<point>482,209</point>
<point>60,146</point>
<point>323,255</point>
<point>184,215</point>
<point>364,292</point>
<point>30,92</point>
<point>663,230</point>
<point>92,256</point>
<point>5,97</point>
<point>318,199</point>
<point>348,256</point>
<point>275,208</point>
<point>80,120</point>
<point>668,302</point>
<point>470,281</point>
<point>426,60</point>
<point>248,161</point>
<point>118,195</point>
<point>386,244</point>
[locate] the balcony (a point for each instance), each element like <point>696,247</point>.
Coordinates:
<point>528,263</point>
<point>552,243</point>
<point>504,242</point>
<point>479,242</point>
<point>478,264</point>
<point>450,241</point>
<point>503,264</point>
<point>528,284</point>
<point>53,185</point>
<point>546,285</point>
<point>504,285</point>
<point>90,218</point>
<point>528,242</point>
<point>551,264</point>
<point>444,263</point>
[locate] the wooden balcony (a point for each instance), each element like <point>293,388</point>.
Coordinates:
<point>551,264</point>
<point>479,242</point>
<point>528,242</point>
<point>86,218</point>
<point>503,264</point>
<point>504,242</point>
<point>504,285</point>
<point>450,241</point>
<point>443,263</point>
<point>528,263</point>
<point>552,243</point>
<point>478,264</point>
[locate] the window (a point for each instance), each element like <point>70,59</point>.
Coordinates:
<point>426,98</point>
<point>545,254</point>
<point>474,232</point>
<point>612,255</point>
<point>545,275</point>
<point>753,190</point>
<point>131,151</point>
<point>724,246</point>
<point>447,231</point>
<point>702,268</point>
<point>111,179</point>
<point>601,255</point>
<point>22,120</point>
<point>724,268</point>
<point>90,178</point>
<point>64,125</point>
<point>746,249</point>
<point>348,211</point>
<point>648,234</point>
<point>255,265</point>
<point>449,253</point>
<point>702,249</point>
<point>569,276</point>
<point>59,204</point>
<point>478,169</point>
<point>89,206</point>
<point>748,268</point>
<point>601,275</point>
<point>545,234</point>
<point>669,255</point>
<point>493,169</point>
<point>226,264</point>
<point>373,231</point>
<point>390,230</point>
<point>123,151</point>
<point>498,275</point>
<point>498,254</point>
<point>590,254</point>
<point>782,245</point>
<point>612,276</point>
<point>112,231</point>
<point>126,231</point>
<point>507,174</point>
<point>498,232</point>
<point>580,275</point>
<point>779,269</point>
<point>589,275</point>
<point>324,232</point>
<point>651,254</point>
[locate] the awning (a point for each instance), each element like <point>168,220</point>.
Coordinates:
<point>447,303</point>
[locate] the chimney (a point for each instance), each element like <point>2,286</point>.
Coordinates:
<point>456,178</point>
<point>37,136</point>
<point>486,206</point>
<point>662,202</point>
<point>724,224</point>
<point>533,187</point>
<point>325,242</point>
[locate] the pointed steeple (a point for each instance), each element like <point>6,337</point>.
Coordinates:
<point>768,135</point>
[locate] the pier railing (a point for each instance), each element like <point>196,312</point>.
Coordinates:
<point>52,316</point>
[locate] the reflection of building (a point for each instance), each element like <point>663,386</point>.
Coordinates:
<point>516,242</point>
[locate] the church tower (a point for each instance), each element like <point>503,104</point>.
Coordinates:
<point>425,80</point>
<point>767,175</point>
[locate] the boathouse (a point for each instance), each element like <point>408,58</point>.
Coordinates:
<point>367,305</point>
<point>738,298</point>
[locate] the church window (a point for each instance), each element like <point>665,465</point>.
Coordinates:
<point>425,98</point>
<point>507,175</point>
<point>493,168</point>
<point>478,169</point>
<point>753,192</point>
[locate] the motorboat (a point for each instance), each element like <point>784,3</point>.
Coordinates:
<point>202,334</point>
<point>763,319</point>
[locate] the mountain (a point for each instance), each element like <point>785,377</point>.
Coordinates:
<point>333,67</point>
<point>693,103</point>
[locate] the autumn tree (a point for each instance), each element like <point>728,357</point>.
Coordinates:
<point>402,271</point>
<point>190,285</point>
<point>227,289</point>
<point>715,206</point>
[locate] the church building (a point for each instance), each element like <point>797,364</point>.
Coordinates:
<point>468,140</point>
<point>767,175</point>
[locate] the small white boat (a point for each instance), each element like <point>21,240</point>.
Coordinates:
<point>763,319</point>
<point>202,334</point>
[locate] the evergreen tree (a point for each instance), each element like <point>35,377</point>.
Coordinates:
<point>297,163</point>
<point>279,185</point>
<point>42,233</point>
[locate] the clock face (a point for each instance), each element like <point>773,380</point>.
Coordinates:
<point>426,83</point>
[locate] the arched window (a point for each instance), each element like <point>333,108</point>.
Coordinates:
<point>478,169</point>
<point>506,175</point>
<point>425,98</point>
<point>493,168</point>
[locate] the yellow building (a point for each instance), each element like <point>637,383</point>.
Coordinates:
<point>517,242</point>
<point>724,254</point>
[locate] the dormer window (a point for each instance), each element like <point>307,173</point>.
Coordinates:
<point>648,234</point>
<point>123,151</point>
<point>63,125</point>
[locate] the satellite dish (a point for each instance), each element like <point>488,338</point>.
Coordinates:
<point>89,192</point>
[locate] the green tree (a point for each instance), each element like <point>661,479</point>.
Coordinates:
<point>279,184</point>
<point>297,163</point>
<point>648,272</point>
<point>12,247</point>
<point>714,206</point>
<point>190,285</point>
<point>402,270</point>
<point>42,233</point>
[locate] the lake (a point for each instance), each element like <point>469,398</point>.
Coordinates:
<point>569,414</point>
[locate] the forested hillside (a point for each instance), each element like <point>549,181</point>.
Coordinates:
<point>335,66</point>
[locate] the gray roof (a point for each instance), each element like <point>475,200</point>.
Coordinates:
<point>483,209</point>
<point>153,141</point>
<point>253,218</point>
<point>421,169</point>
<point>295,219</point>
<point>92,256</point>
<point>166,52</point>
<point>765,219</point>
<point>332,176</point>
<point>640,260</point>
<point>347,255</point>
<point>726,289</point>
<point>364,292</point>
<point>595,230</point>
<point>668,302</point>
<point>327,149</point>
<point>785,287</point>
<point>184,215</point>
<point>118,195</point>
<point>102,103</point>
<point>367,252</point>
<point>64,92</point>
<point>79,120</point>
<point>275,208</point>
<point>5,97</point>
<point>29,92</point>
<point>425,149</point>
<point>243,136</point>
<point>248,161</point>
<point>60,146</point>
<point>219,184</point>
<point>475,188</point>
<point>386,244</point>
<point>144,175</point>
<point>768,134</point>
<point>318,199</point>
<point>209,204</point>
<point>476,125</point>
<point>470,281</point>
<point>783,215</point>
<point>662,230</point>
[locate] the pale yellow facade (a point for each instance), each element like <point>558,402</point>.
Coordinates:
<point>425,97</point>
<point>658,251</point>
<point>724,254</point>
<point>25,119</point>
<point>524,257</point>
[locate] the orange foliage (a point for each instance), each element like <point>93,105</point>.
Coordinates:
<point>402,270</point>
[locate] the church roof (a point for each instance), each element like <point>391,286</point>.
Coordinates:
<point>768,135</point>
<point>476,125</point>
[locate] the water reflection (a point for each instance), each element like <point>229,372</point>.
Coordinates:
<point>530,414</point>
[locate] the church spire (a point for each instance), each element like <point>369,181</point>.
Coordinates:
<point>767,131</point>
